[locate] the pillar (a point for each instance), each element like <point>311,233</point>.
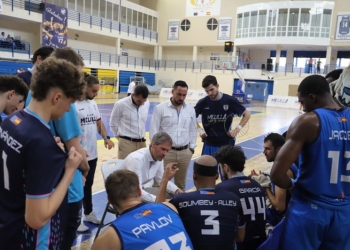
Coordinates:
<point>160,52</point>
<point>155,52</point>
<point>278,55</point>
<point>117,44</point>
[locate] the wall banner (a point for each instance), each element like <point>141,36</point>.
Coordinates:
<point>342,30</point>
<point>173,30</point>
<point>203,7</point>
<point>224,29</point>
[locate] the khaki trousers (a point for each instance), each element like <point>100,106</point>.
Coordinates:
<point>183,158</point>
<point>125,147</point>
<point>155,190</point>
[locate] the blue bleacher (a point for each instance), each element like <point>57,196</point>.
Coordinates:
<point>10,68</point>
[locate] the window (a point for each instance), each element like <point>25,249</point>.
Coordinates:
<point>212,24</point>
<point>185,25</point>
<point>115,12</point>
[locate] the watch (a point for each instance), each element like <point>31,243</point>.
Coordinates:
<point>106,137</point>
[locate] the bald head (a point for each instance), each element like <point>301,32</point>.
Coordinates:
<point>205,165</point>
<point>207,160</point>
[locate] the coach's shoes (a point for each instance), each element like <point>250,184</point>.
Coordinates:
<point>92,218</point>
<point>82,228</point>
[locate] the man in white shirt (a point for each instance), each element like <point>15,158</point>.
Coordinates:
<point>128,121</point>
<point>131,86</point>
<point>178,119</point>
<point>91,123</point>
<point>148,164</point>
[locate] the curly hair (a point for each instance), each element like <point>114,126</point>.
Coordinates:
<point>10,82</point>
<point>57,73</point>
<point>233,156</point>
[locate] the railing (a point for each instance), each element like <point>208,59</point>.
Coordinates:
<point>112,25</point>
<point>23,49</point>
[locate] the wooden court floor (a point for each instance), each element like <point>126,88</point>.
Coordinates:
<point>264,120</point>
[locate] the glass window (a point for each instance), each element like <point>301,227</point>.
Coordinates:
<point>246,20</point>
<point>282,17</point>
<point>109,10</point>
<point>144,22</point>
<point>212,24</point>
<point>134,17</point>
<point>139,19</point>
<point>304,25</point>
<point>262,18</point>
<point>129,16</point>
<point>185,25</point>
<point>326,21</point>
<point>239,21</point>
<point>95,5</point>
<point>293,17</point>
<point>123,15</point>
<point>88,7</point>
<point>149,23</point>
<point>80,5</point>
<point>155,24</point>
<point>272,18</point>
<point>102,8</point>
<point>115,12</point>
<point>71,4</point>
<point>253,19</point>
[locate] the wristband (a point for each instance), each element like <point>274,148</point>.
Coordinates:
<point>106,137</point>
<point>239,127</point>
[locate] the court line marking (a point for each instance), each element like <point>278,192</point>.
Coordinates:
<point>253,149</point>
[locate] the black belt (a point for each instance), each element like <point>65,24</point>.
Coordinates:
<point>180,148</point>
<point>132,139</point>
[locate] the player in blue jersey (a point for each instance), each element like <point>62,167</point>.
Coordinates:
<point>13,92</point>
<point>279,198</point>
<point>35,172</point>
<point>213,219</point>
<point>318,215</point>
<point>140,225</point>
<point>68,129</point>
<point>251,194</point>
<point>217,110</point>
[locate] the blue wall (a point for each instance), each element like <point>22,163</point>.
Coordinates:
<point>256,92</point>
<point>10,68</point>
<point>124,79</point>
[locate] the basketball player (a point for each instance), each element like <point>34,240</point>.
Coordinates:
<point>251,194</point>
<point>91,124</point>
<point>213,219</point>
<point>13,92</point>
<point>140,225</point>
<point>34,171</point>
<point>217,110</point>
<point>318,215</point>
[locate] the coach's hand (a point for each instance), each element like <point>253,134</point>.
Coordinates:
<point>202,133</point>
<point>74,159</point>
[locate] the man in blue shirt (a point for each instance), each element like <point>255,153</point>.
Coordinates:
<point>68,129</point>
<point>34,171</point>
<point>140,225</point>
<point>318,215</point>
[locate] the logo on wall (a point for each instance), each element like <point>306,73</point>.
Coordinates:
<point>54,26</point>
<point>173,30</point>
<point>342,31</point>
<point>203,7</point>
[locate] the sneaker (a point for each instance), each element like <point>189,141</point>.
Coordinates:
<point>92,218</point>
<point>82,228</point>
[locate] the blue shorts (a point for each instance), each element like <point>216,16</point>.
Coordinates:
<point>211,150</point>
<point>309,226</point>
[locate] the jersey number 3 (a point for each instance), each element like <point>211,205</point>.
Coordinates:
<point>335,156</point>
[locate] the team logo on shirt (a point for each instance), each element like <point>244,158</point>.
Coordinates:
<point>342,119</point>
<point>15,120</point>
<point>206,192</point>
<point>225,107</point>
<point>245,181</point>
<point>143,213</point>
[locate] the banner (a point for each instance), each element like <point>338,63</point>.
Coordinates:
<point>0,5</point>
<point>55,26</point>
<point>342,31</point>
<point>224,29</point>
<point>173,30</point>
<point>203,7</point>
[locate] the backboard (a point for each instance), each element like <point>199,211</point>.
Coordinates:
<point>226,63</point>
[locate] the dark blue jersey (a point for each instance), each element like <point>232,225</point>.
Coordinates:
<point>252,198</point>
<point>31,167</point>
<point>151,226</point>
<point>211,217</point>
<point>217,117</point>
<point>26,76</point>
<point>324,170</point>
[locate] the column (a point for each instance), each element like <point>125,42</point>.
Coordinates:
<point>155,52</point>
<point>234,56</point>
<point>331,60</point>
<point>117,44</point>
<point>160,52</point>
<point>278,55</point>
<point>290,61</point>
<point>194,53</point>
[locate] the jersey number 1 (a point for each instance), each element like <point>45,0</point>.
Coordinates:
<point>6,171</point>
<point>335,156</point>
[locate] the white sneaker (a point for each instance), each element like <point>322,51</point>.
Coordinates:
<point>82,228</point>
<point>92,218</point>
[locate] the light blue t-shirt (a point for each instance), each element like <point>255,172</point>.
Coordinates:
<point>66,128</point>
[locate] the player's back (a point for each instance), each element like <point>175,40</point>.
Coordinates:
<point>20,177</point>
<point>151,226</point>
<point>324,176</point>
<point>252,200</point>
<point>211,217</point>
